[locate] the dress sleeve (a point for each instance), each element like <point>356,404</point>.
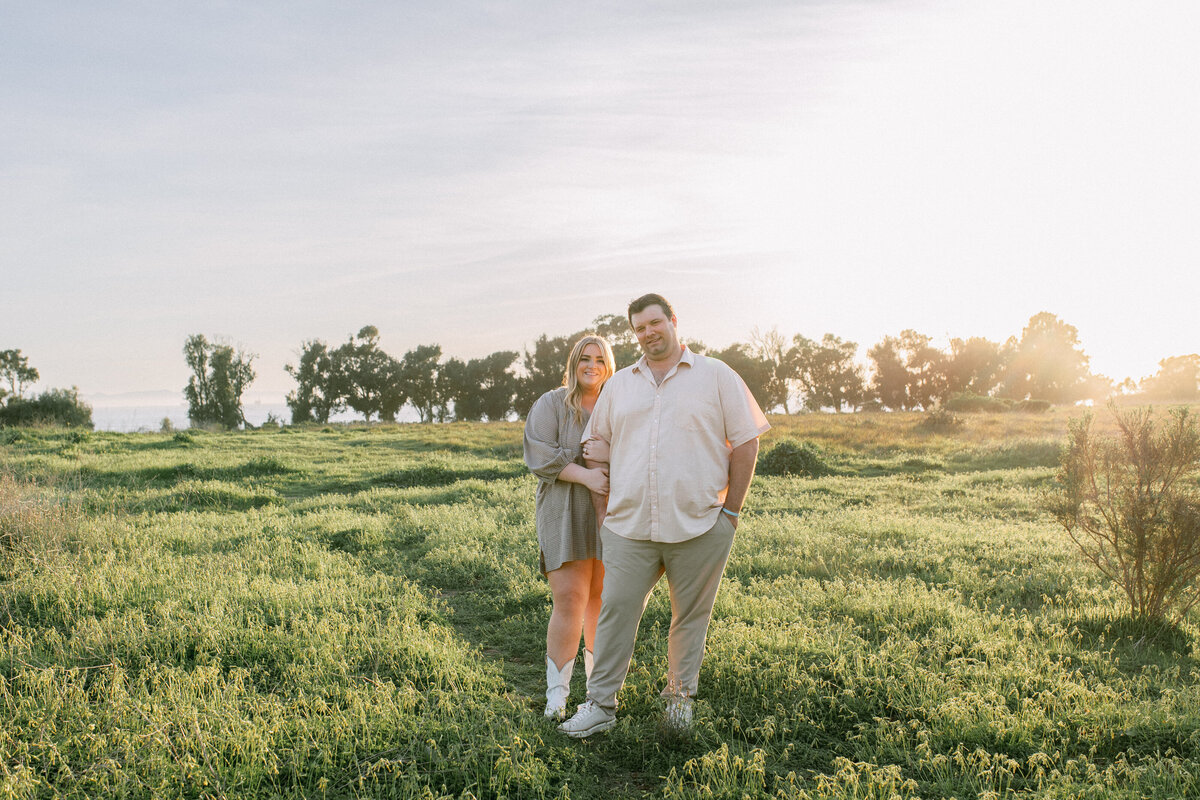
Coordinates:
<point>544,453</point>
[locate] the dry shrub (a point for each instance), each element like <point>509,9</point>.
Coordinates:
<point>1131,502</point>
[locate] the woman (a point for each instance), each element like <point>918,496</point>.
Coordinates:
<point>566,521</point>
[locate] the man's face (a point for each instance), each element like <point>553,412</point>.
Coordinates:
<point>655,332</point>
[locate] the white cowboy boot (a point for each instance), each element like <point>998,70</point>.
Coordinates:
<point>588,660</point>
<point>558,686</point>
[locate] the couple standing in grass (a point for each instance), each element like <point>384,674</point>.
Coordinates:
<point>640,475</point>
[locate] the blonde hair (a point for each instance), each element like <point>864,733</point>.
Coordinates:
<point>571,377</point>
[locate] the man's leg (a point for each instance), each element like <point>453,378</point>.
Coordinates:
<point>694,570</point>
<point>631,568</point>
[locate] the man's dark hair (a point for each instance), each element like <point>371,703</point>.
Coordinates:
<point>647,300</point>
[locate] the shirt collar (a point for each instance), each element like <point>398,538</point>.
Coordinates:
<point>688,357</point>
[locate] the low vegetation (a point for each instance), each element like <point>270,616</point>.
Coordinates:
<point>1131,502</point>
<point>352,611</point>
<point>53,407</point>
<point>789,457</point>
<point>56,407</point>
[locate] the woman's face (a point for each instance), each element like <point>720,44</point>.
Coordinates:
<point>592,371</point>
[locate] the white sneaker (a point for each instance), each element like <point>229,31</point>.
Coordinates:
<point>589,718</point>
<point>678,715</point>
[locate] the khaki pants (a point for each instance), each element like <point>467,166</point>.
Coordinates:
<point>631,569</point>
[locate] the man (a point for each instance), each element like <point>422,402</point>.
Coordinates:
<point>680,432</point>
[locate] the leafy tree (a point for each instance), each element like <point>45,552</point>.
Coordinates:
<point>419,377</point>
<point>909,372</point>
<point>496,383</point>
<point>220,375</point>
<point>976,366</point>
<point>1177,379</point>
<point>544,367</point>
<point>481,387</point>
<point>772,349</point>
<point>827,374</point>
<point>455,390</point>
<point>1048,363</point>
<point>926,368</point>
<point>889,381</point>
<point>758,373</point>
<point>365,377</point>
<point>15,369</point>
<point>321,379</point>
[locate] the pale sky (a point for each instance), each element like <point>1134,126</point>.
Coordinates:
<point>475,174</point>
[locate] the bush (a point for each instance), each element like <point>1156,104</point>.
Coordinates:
<point>965,402</point>
<point>1131,502</point>
<point>789,457</point>
<point>1033,406</point>
<point>939,420</point>
<point>52,407</point>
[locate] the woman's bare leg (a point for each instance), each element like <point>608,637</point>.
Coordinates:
<point>592,612</point>
<point>570,587</point>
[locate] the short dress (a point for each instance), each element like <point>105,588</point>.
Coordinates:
<point>566,521</point>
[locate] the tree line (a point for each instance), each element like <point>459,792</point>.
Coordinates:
<point>1046,364</point>
<point>905,371</point>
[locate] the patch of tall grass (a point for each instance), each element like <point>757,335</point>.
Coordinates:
<point>37,524</point>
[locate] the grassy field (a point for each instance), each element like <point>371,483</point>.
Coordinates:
<point>357,612</point>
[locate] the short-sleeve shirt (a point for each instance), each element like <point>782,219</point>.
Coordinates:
<point>670,445</point>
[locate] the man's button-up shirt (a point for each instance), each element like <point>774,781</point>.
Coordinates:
<point>670,445</point>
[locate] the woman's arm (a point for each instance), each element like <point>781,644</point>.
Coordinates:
<point>544,454</point>
<point>547,458</point>
<point>594,478</point>
<point>599,499</point>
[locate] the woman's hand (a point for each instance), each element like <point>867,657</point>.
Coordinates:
<point>596,449</point>
<point>597,480</point>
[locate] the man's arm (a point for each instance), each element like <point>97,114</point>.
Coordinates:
<point>599,501</point>
<point>742,461</point>
<point>596,453</point>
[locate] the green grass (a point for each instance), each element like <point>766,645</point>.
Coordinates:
<point>356,612</point>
